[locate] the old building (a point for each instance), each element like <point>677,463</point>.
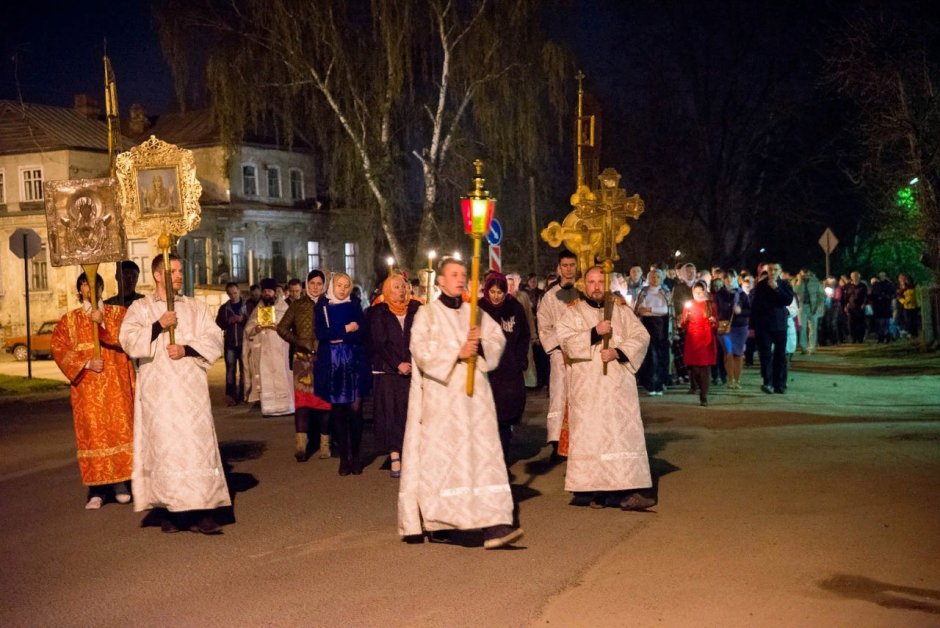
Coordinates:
<point>260,212</point>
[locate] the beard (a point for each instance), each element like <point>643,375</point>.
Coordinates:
<point>268,300</point>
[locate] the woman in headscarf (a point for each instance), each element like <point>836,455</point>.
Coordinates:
<point>389,338</point>
<point>297,328</point>
<point>699,321</point>
<point>341,369</point>
<point>508,379</point>
<point>653,304</point>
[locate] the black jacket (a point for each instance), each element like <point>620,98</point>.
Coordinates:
<point>769,305</point>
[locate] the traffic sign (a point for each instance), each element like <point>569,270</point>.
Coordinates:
<point>496,260</point>
<point>828,241</point>
<point>25,243</point>
<point>495,235</point>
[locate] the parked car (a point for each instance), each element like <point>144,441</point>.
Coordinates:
<point>40,342</point>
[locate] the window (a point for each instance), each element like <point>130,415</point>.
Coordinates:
<point>274,182</point>
<point>313,255</point>
<point>39,270</point>
<point>350,258</point>
<point>238,259</point>
<point>32,183</point>
<point>278,262</point>
<point>3,193</point>
<point>140,254</point>
<point>249,180</point>
<point>296,184</point>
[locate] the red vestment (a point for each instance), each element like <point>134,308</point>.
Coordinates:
<point>102,403</point>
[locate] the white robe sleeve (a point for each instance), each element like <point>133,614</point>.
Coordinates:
<point>493,341</point>
<point>433,349</point>
<point>136,330</point>
<point>548,320</point>
<point>630,336</point>
<point>207,337</point>
<point>574,334</point>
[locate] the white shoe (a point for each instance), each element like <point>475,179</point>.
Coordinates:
<point>94,503</point>
<point>123,498</point>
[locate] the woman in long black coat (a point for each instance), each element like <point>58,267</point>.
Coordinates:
<point>389,338</point>
<point>508,379</point>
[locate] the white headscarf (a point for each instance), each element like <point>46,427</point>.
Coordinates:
<point>329,291</point>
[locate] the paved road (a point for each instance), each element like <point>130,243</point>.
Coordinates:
<point>814,508</point>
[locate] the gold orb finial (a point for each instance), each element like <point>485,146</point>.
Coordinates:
<point>163,242</point>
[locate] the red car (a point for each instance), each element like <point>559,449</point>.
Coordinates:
<point>40,342</point>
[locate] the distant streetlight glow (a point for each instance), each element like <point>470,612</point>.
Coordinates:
<point>915,181</point>
<point>678,253</point>
<point>763,250</point>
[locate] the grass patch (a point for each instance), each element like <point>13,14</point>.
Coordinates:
<point>14,385</point>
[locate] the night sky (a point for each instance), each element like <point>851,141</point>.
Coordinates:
<point>53,50</point>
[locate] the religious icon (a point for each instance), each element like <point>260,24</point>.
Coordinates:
<point>84,221</point>
<point>158,191</point>
<point>266,317</point>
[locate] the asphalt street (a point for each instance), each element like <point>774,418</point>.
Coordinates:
<point>818,507</point>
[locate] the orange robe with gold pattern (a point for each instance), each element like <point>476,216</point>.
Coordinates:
<point>102,403</point>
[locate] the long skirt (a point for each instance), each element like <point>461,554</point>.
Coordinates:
<point>390,410</point>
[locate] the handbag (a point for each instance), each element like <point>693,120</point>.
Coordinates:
<point>724,326</point>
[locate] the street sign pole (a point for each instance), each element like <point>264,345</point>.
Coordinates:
<point>828,241</point>
<point>827,254</point>
<point>29,348</point>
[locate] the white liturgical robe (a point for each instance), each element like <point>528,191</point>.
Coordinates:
<point>177,465</point>
<point>267,355</point>
<point>551,309</point>
<point>453,475</point>
<point>607,447</point>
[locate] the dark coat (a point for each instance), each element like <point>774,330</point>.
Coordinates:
<point>332,378</point>
<point>508,378</point>
<point>769,305</point>
<point>724,303</point>
<point>388,342</point>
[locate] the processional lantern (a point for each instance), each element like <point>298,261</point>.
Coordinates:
<point>477,209</point>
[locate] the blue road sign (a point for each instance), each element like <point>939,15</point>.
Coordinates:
<point>495,235</point>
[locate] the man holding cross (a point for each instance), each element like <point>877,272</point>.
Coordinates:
<point>607,459</point>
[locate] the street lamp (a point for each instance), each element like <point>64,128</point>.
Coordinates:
<point>477,209</point>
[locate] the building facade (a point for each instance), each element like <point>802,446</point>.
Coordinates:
<point>260,214</point>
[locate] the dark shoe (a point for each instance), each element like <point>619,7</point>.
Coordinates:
<point>499,536</point>
<point>206,524</point>
<point>635,501</point>
<point>439,536</point>
<point>704,403</point>
<point>168,524</point>
<point>355,466</point>
<point>344,467</point>
<point>582,500</point>
<point>767,389</point>
<point>780,391</point>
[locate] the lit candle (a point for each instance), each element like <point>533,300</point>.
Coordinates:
<point>391,264</point>
<point>431,255</point>
<point>457,256</point>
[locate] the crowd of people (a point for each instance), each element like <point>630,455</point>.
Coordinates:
<point>447,391</point>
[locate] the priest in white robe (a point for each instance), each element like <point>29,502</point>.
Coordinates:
<point>453,474</point>
<point>551,308</point>
<point>607,460</point>
<point>177,466</point>
<point>268,354</point>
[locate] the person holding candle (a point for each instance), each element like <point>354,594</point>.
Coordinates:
<point>699,321</point>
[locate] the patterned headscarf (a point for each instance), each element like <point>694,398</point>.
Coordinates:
<point>398,309</point>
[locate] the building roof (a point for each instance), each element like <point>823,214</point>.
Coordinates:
<point>199,128</point>
<point>29,128</point>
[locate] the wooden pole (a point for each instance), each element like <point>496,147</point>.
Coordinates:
<point>163,242</point>
<point>91,274</point>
